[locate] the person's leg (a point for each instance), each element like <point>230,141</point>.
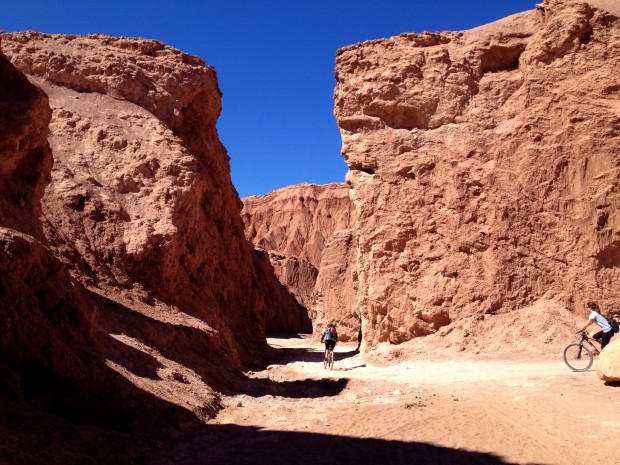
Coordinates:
<point>329,345</point>
<point>606,338</point>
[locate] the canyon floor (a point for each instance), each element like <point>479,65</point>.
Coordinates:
<point>468,409</point>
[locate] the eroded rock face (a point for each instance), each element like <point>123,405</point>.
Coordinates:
<point>281,310</point>
<point>141,197</point>
<point>44,315</point>
<point>25,155</point>
<point>484,167</point>
<point>127,288</point>
<point>306,232</point>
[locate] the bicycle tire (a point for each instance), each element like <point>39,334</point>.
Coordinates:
<point>325,358</point>
<point>578,357</point>
<point>330,360</point>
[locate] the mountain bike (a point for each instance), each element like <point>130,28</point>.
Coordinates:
<point>580,355</point>
<point>328,361</point>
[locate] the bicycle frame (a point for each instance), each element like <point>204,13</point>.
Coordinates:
<point>585,338</point>
<point>578,356</point>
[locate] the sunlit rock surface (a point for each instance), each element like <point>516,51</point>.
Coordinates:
<point>608,362</point>
<point>484,167</point>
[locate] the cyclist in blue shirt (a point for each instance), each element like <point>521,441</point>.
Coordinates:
<point>330,336</point>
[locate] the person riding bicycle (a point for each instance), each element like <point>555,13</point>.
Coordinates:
<point>606,333</point>
<point>330,336</point>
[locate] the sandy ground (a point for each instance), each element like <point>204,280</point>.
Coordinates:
<point>420,411</point>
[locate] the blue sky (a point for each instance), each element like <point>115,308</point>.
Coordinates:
<point>274,59</point>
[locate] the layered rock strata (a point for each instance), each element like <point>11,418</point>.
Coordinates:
<point>484,167</point>
<point>306,231</point>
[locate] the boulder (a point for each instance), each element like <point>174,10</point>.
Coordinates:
<point>608,363</point>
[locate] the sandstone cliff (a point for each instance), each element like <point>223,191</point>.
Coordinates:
<point>306,231</point>
<point>47,319</point>
<point>484,167</point>
<point>25,155</point>
<point>141,196</point>
<point>128,294</point>
<point>36,295</point>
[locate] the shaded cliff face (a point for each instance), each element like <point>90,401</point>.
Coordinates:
<point>44,315</point>
<point>484,168</point>
<point>127,289</point>
<point>25,155</point>
<point>306,231</point>
<point>33,283</point>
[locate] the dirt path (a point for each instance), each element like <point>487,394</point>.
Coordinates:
<point>465,411</point>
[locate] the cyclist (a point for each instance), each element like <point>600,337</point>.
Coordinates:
<point>330,336</point>
<point>605,334</point>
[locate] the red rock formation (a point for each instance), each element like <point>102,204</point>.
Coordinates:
<point>306,231</point>
<point>281,310</point>
<point>25,156</point>
<point>334,297</point>
<point>141,195</point>
<point>127,290</point>
<point>44,316</point>
<point>484,167</point>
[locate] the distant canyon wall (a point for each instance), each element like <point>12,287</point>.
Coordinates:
<point>306,231</point>
<point>484,167</point>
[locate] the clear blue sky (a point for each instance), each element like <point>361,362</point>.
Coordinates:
<point>275,63</point>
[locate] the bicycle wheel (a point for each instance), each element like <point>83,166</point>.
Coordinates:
<point>578,357</point>
<point>330,359</point>
<point>325,358</point>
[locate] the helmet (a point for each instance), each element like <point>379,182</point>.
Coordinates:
<point>330,325</point>
<point>592,305</point>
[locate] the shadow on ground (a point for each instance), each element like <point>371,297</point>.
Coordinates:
<point>286,335</point>
<point>231,444</point>
<point>301,389</point>
<point>53,441</point>
<point>302,354</point>
<point>188,346</point>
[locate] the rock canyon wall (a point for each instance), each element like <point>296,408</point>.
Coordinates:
<point>484,167</point>
<point>128,293</point>
<point>306,231</point>
<point>484,178</point>
<point>141,195</point>
<point>42,315</point>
